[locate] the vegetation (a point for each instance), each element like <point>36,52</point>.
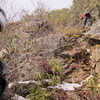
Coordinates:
<point>54,77</point>
<point>53,73</point>
<point>60,17</point>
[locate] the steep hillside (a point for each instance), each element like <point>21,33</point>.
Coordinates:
<point>50,58</point>
<point>72,58</point>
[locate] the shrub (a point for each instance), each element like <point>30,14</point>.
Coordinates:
<point>51,71</point>
<point>72,31</point>
<point>93,85</point>
<point>38,93</point>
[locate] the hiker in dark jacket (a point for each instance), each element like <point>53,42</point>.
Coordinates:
<point>86,17</point>
<point>3,67</point>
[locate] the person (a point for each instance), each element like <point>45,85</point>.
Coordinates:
<point>87,18</point>
<point>3,67</point>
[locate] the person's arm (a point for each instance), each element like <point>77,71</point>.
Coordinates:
<point>3,12</point>
<point>82,16</point>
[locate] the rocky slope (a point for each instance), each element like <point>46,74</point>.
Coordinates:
<point>80,54</point>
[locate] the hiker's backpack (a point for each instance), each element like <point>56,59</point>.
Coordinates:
<point>87,14</point>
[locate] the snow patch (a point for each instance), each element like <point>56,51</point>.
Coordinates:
<point>18,97</point>
<point>66,86</point>
<point>21,82</point>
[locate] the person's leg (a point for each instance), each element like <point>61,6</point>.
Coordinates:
<point>89,22</point>
<point>84,23</point>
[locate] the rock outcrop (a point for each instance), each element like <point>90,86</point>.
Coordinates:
<point>95,29</point>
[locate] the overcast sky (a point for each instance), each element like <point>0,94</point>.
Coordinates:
<point>30,5</point>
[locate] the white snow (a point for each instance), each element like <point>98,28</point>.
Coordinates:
<point>21,82</point>
<point>18,97</point>
<point>66,86</point>
<point>26,82</point>
<point>70,86</point>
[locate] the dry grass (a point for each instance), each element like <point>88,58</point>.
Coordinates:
<point>69,30</point>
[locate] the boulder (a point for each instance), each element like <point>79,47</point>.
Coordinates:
<point>95,29</point>
<point>47,45</point>
<point>95,58</point>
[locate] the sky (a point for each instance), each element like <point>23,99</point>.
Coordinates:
<point>15,6</point>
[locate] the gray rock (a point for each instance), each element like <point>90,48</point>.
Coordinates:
<point>47,45</point>
<point>95,58</point>
<point>95,29</point>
